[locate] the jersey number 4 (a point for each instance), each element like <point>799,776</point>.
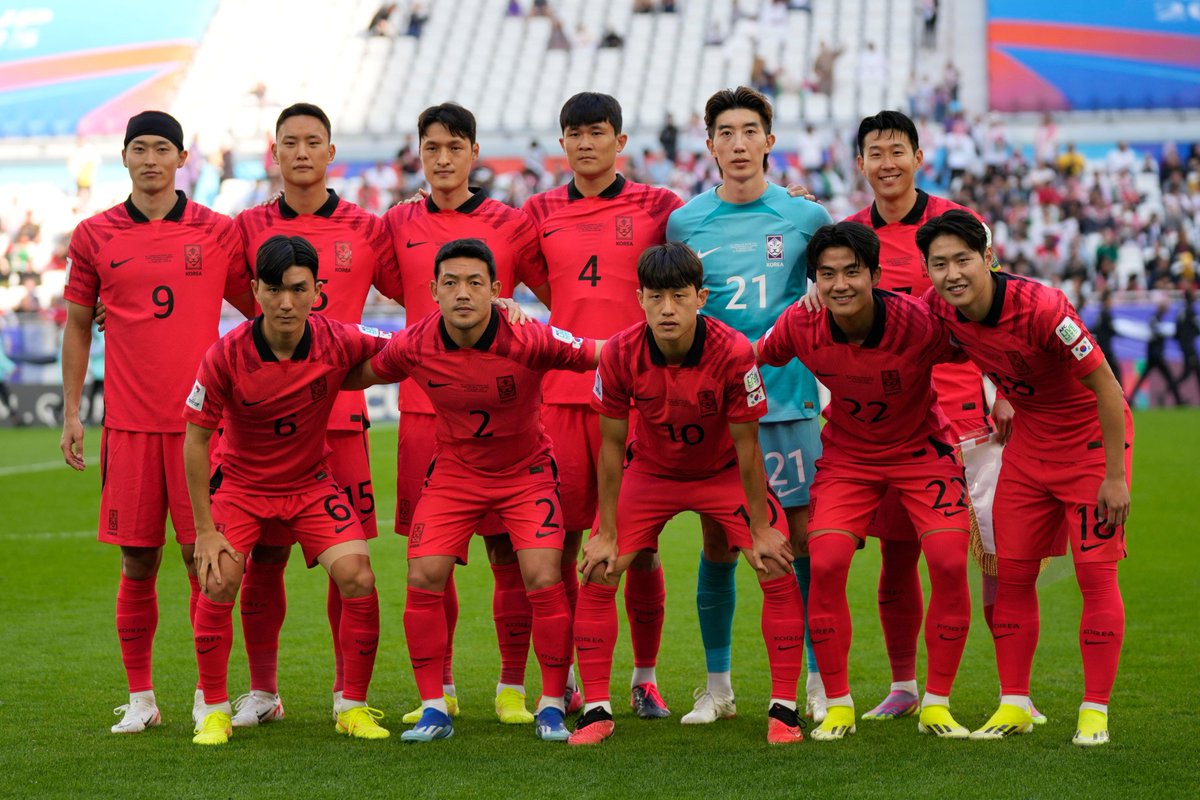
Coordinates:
<point>591,271</point>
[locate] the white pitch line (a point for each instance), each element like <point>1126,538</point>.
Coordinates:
<point>42,466</point>
<point>42,536</point>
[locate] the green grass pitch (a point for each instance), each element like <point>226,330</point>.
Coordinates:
<point>62,675</point>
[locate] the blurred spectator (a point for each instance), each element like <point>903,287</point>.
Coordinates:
<point>822,82</point>
<point>540,8</point>
<point>1156,353</point>
<point>583,38</point>
<point>1071,162</point>
<point>929,18</point>
<point>1105,331</point>
<point>762,79</point>
<point>417,17</point>
<point>381,21</point>
<point>668,137</point>
<point>1121,158</point>
<point>715,36</point>
<point>83,164</point>
<point>385,184</point>
<point>1187,328</point>
<point>611,39</point>
<point>810,150</point>
<point>667,6</point>
<point>513,9</point>
<point>643,6</point>
<point>558,37</point>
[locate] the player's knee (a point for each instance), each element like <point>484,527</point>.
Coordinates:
<point>646,561</point>
<point>270,554</point>
<point>356,580</point>
<point>140,563</point>
<point>425,578</point>
<point>223,592</point>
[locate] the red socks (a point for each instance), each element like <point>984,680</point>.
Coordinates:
<point>1015,622</point>
<point>595,638</point>
<point>949,617</point>
<point>513,616</point>
<point>828,611</point>
<point>137,620</point>
<point>450,607</point>
<point>333,610</point>
<point>425,630</point>
<point>359,637</point>
<point>551,637</point>
<point>901,606</point>
<point>264,604</point>
<point>1101,629</point>
<point>193,596</point>
<point>645,596</point>
<point>570,581</point>
<point>783,632</point>
<point>214,640</point>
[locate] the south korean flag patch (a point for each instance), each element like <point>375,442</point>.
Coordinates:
<point>1081,350</point>
<point>195,400</point>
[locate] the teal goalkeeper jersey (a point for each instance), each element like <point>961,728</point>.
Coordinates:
<point>754,268</point>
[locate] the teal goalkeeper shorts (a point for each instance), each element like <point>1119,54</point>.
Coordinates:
<point>790,452</point>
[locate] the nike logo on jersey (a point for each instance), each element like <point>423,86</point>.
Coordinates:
<point>820,374</point>
<point>209,650</point>
<point>547,234</point>
<point>644,399</point>
<point>115,264</point>
<point>433,385</point>
<point>1004,635</point>
<point>367,652</point>
<point>1083,548</point>
<point>410,243</point>
<point>704,253</point>
<point>544,535</point>
<point>256,402</point>
<point>130,638</point>
<point>786,492</point>
<point>343,527</point>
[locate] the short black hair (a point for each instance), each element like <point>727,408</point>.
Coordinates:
<point>888,121</point>
<point>458,120</point>
<point>589,108</point>
<point>277,254</point>
<point>741,97</point>
<point>304,110</point>
<point>954,222</point>
<point>465,248</point>
<point>672,265</point>
<point>861,240</point>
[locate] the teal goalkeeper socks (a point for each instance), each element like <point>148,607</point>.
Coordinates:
<point>803,568</point>
<point>716,598</point>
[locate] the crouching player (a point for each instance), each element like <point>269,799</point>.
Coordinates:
<point>271,384</point>
<point>1067,466</point>
<point>484,378</point>
<point>875,352</point>
<point>699,396</point>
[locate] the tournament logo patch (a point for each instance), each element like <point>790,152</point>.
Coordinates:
<point>708,403</point>
<point>318,389</point>
<point>195,400</point>
<point>112,520</point>
<point>414,536</point>
<point>193,261</point>
<point>343,256</point>
<point>774,249</point>
<point>598,387</point>
<point>890,378</point>
<point>506,388</point>
<point>752,379</point>
<point>1068,331</point>
<point>576,342</point>
<point>1017,362</point>
<point>1081,350</point>
<point>625,230</point>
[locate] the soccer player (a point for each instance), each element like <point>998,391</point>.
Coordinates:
<point>456,210</point>
<point>271,384</point>
<point>484,377</point>
<point>354,247</point>
<point>1067,466</point>
<point>751,235</point>
<point>698,397</point>
<point>161,265</point>
<point>591,232</point>
<point>875,351</point>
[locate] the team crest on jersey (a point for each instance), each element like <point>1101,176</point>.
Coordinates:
<point>774,249</point>
<point>890,378</point>
<point>708,403</point>
<point>625,231</point>
<point>193,263</point>
<point>506,388</point>
<point>112,520</point>
<point>343,256</point>
<point>414,535</point>
<point>403,511</point>
<point>318,389</point>
<point>1017,362</point>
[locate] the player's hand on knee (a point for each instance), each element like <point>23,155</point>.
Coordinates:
<point>1112,502</point>
<point>71,444</point>
<point>770,546</point>
<point>209,546</point>
<point>599,549</point>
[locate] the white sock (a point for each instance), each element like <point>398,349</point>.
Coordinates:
<point>146,696</point>
<point>337,698</point>
<point>905,686</point>
<point>571,684</point>
<point>813,684</point>
<point>643,675</point>
<point>719,683</point>
<point>449,690</point>
<point>209,709</point>
<point>519,688</point>
<point>844,700</point>
<point>343,704</point>
<point>550,702</point>
<point>439,704</point>
<point>1018,700</point>
<point>1101,707</point>
<point>785,703</point>
<point>932,699</point>
<point>607,706</point>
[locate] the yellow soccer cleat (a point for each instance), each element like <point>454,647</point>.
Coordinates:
<point>839,721</point>
<point>510,708</point>
<point>1092,728</point>
<point>360,723</point>
<point>937,720</point>
<point>1008,720</point>
<point>215,728</point>
<point>414,716</point>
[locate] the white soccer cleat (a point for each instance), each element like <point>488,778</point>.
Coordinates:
<point>137,715</point>
<point>709,708</point>
<point>257,708</point>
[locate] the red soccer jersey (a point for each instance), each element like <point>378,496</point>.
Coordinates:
<point>684,410</point>
<point>275,413</point>
<point>882,406</point>
<point>959,388</point>
<point>162,283</point>
<point>591,247</point>
<point>1034,347</point>
<point>354,253</point>
<point>418,230</point>
<point>488,397</point>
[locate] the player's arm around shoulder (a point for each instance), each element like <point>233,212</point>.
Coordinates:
<point>385,361</point>
<point>778,345</point>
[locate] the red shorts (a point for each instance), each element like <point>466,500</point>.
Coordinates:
<point>451,509</point>
<point>931,494</point>
<point>414,453</point>
<point>648,502</point>
<point>141,475</point>
<point>1040,505</point>
<point>317,519</point>
<point>575,432</point>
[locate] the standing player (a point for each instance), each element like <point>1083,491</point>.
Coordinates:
<point>699,397</point>
<point>271,385</point>
<point>484,376</point>
<point>752,237</point>
<point>455,210</point>
<point>889,157</point>
<point>592,231</point>
<point>354,247</point>
<point>875,351</point>
<point>161,264</point>
<point>1067,466</point>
